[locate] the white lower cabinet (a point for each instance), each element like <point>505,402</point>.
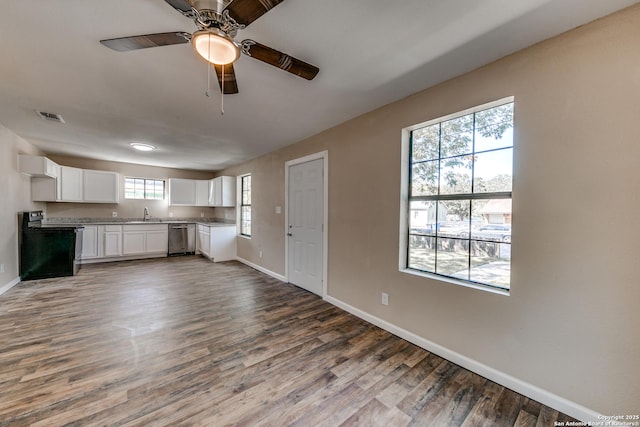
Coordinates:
<point>217,242</point>
<point>204,240</point>
<point>89,242</point>
<point>107,242</point>
<point>133,242</point>
<point>112,238</point>
<point>157,241</point>
<point>145,239</point>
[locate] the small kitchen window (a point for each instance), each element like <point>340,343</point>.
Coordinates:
<point>245,205</point>
<point>144,188</point>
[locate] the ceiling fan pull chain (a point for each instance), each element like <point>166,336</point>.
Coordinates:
<point>209,76</point>
<point>222,95</point>
<point>208,81</point>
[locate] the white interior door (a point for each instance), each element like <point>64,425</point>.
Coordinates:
<point>305,227</point>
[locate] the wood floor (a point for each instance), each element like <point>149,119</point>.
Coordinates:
<point>183,341</point>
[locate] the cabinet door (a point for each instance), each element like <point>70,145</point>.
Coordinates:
<point>112,243</point>
<point>90,242</point>
<point>45,189</point>
<point>228,186</point>
<point>223,192</point>
<point>223,243</point>
<point>204,240</point>
<point>157,242</point>
<point>100,186</point>
<point>213,192</point>
<point>202,192</point>
<point>133,242</point>
<point>70,184</point>
<point>182,192</point>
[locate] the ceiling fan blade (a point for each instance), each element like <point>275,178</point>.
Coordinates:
<point>182,6</point>
<point>278,59</point>
<point>247,11</point>
<point>230,84</point>
<point>124,44</point>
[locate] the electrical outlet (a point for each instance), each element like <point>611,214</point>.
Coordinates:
<point>260,254</point>
<point>201,214</point>
<point>170,214</point>
<point>114,214</point>
<point>385,298</point>
<point>1,268</point>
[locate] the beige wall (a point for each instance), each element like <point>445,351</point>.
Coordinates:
<point>127,208</point>
<point>15,197</point>
<point>571,325</point>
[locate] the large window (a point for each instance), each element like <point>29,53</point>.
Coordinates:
<point>458,208</point>
<point>245,205</point>
<point>143,188</point>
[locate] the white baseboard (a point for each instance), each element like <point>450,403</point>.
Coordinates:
<point>263,270</point>
<point>9,285</point>
<point>549,399</point>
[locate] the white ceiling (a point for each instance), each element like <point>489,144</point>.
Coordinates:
<point>370,53</point>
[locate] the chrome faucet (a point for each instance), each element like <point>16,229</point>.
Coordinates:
<point>146,215</point>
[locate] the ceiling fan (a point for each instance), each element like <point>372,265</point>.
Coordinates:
<point>218,22</point>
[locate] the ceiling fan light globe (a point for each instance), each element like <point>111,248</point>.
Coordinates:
<point>215,47</point>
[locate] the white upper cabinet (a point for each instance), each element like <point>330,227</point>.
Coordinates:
<point>188,192</point>
<point>182,192</point>
<point>45,189</point>
<point>37,166</point>
<point>53,183</point>
<point>100,186</point>
<point>70,184</point>
<point>222,191</point>
<point>202,192</point>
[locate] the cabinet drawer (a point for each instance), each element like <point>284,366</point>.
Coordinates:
<point>115,228</point>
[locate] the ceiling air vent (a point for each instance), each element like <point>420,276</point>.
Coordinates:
<point>50,116</point>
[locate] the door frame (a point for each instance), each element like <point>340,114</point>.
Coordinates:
<point>324,155</point>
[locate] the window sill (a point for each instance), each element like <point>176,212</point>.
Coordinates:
<point>486,288</point>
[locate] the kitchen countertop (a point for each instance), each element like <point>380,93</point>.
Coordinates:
<point>71,222</point>
<point>64,226</point>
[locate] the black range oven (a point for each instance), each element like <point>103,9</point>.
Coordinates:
<point>48,250</point>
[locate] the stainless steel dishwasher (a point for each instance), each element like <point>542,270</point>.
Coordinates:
<point>182,239</point>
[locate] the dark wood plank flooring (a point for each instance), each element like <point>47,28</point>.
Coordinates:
<point>183,341</point>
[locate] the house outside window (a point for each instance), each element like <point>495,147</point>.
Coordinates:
<point>457,201</point>
<point>144,188</point>
<point>245,205</point>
